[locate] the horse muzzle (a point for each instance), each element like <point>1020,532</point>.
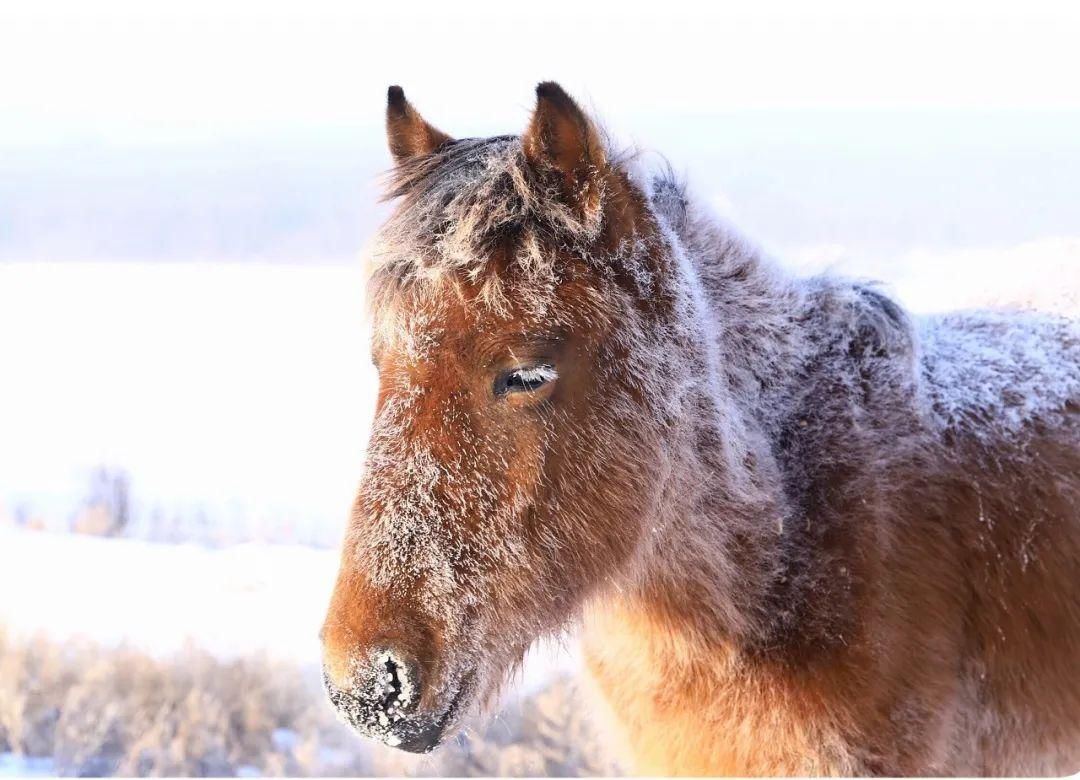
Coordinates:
<point>380,696</point>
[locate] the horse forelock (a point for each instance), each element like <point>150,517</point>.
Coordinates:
<point>457,206</point>
<point>478,211</point>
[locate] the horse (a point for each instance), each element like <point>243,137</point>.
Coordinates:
<point>800,530</point>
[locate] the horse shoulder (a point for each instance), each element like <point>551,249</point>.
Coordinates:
<point>1004,392</point>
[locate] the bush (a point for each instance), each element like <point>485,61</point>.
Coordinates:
<point>101,711</point>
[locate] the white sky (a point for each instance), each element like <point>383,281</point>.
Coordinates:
<point>152,71</point>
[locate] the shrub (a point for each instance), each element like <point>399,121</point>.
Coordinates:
<point>101,711</point>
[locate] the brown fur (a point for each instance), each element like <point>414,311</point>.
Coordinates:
<point>794,550</point>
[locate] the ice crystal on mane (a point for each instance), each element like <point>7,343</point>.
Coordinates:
<point>994,372</point>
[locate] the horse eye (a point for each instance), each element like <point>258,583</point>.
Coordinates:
<point>520,380</point>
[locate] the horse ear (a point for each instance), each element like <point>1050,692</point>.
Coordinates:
<point>562,138</point>
<point>406,131</point>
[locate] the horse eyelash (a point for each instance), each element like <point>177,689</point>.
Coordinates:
<point>541,373</point>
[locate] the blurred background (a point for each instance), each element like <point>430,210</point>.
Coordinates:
<point>185,190</point>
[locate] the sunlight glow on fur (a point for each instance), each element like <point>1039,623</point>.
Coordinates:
<point>847,537</point>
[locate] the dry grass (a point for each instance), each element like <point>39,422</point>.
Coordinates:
<point>103,711</point>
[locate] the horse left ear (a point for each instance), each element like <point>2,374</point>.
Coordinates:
<point>406,131</point>
<point>563,139</point>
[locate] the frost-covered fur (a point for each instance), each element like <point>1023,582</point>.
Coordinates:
<point>805,533</point>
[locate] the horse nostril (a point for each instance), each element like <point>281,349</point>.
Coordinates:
<point>379,693</point>
<point>383,684</point>
<point>393,678</point>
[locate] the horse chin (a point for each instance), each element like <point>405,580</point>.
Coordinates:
<point>447,724</point>
<point>469,699</point>
<point>477,697</point>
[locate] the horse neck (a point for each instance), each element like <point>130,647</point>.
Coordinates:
<point>715,557</point>
<point>754,313</point>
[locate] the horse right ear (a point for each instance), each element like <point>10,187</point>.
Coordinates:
<point>406,131</point>
<point>561,138</point>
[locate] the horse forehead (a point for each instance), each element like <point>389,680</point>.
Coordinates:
<point>417,327</point>
<point>440,325</point>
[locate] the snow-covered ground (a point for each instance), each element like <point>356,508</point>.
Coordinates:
<point>157,597</point>
<point>231,601</point>
<point>12,765</point>
<point>234,395</point>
